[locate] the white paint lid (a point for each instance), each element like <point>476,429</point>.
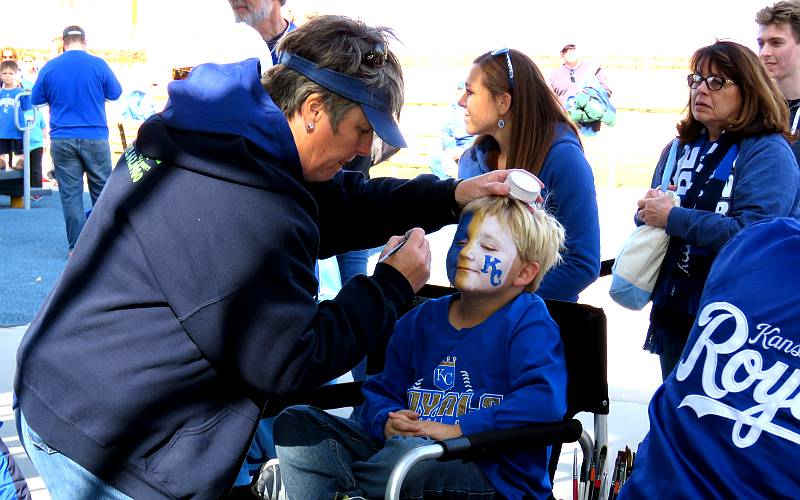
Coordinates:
<point>524,186</point>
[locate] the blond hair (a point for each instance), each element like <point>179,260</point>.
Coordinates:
<point>538,236</point>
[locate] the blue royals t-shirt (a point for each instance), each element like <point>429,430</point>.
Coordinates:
<point>726,423</point>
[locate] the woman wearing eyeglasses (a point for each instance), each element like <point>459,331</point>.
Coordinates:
<point>520,124</point>
<point>733,167</point>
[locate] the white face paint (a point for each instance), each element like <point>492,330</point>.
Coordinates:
<point>487,259</point>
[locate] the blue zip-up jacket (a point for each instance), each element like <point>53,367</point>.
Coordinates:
<point>506,372</point>
<point>190,298</point>
<point>570,196</point>
<point>76,85</point>
<point>764,183</point>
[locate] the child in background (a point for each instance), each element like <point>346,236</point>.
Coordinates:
<point>38,139</point>
<point>10,135</point>
<point>489,357</point>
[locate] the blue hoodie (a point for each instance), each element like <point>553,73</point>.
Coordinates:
<point>570,196</point>
<point>726,422</point>
<point>190,298</point>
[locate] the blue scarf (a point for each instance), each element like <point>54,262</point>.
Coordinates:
<point>701,175</point>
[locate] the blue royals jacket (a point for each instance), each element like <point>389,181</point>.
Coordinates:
<point>726,422</point>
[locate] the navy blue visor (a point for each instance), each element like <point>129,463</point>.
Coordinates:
<point>374,103</point>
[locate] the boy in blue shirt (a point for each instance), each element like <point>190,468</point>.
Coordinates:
<point>10,135</point>
<point>489,357</point>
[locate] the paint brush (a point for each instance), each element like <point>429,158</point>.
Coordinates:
<point>395,248</point>
<point>575,474</point>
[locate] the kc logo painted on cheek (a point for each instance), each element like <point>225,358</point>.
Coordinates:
<point>490,266</point>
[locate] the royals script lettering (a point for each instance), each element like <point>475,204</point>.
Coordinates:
<point>725,332</point>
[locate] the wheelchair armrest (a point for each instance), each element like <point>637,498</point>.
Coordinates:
<point>481,444</point>
<point>512,439</point>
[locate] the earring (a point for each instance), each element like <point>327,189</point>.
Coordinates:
<point>501,123</point>
<point>310,126</point>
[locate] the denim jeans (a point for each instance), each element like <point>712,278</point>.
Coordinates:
<point>352,264</point>
<point>65,479</point>
<point>71,158</point>
<point>322,456</point>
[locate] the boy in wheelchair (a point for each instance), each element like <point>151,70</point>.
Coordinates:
<point>489,357</point>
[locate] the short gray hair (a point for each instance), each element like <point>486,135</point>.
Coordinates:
<point>338,43</point>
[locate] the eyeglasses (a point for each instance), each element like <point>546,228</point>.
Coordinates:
<point>376,57</point>
<point>572,75</point>
<point>509,67</point>
<point>713,82</point>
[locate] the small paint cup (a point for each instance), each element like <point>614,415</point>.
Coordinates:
<point>524,186</point>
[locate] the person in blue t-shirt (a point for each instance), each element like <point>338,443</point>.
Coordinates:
<point>10,135</point>
<point>489,357</point>
<point>726,422</point>
<point>75,85</point>
<point>455,139</point>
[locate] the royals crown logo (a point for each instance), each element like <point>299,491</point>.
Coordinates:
<point>444,375</point>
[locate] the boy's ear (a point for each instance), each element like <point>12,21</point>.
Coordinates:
<point>526,274</point>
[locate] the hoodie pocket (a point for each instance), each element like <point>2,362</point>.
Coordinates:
<point>200,461</point>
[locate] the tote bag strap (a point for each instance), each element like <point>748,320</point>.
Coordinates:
<point>670,166</point>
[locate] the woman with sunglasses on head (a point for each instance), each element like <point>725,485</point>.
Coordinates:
<point>520,124</point>
<point>191,300</point>
<point>732,167</point>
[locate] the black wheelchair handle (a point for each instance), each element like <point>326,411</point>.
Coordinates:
<point>512,439</point>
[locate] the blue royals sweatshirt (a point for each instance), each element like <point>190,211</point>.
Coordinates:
<point>506,372</point>
<point>726,422</point>
<point>190,298</point>
<point>570,196</point>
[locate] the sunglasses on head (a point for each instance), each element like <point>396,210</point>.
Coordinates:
<point>376,57</point>
<point>505,51</point>
<point>713,82</point>
<point>181,73</point>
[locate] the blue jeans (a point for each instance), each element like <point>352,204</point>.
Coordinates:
<point>71,158</point>
<point>352,264</point>
<point>322,455</point>
<point>65,479</point>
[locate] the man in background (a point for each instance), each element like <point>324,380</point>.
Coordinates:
<point>582,89</point>
<point>265,17</point>
<point>574,74</point>
<point>779,50</point>
<point>76,85</point>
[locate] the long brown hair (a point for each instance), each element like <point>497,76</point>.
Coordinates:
<point>763,110</point>
<point>534,111</point>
